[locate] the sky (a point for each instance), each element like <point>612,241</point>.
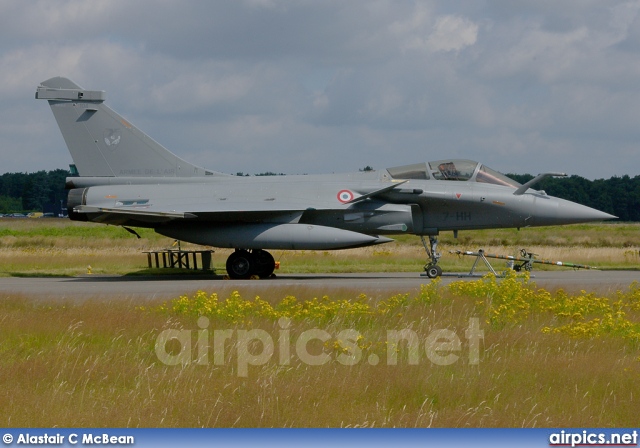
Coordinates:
<point>332,86</point>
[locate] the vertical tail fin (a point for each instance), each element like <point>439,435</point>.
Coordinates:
<point>101,142</point>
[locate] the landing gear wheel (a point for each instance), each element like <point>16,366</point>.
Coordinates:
<point>240,264</point>
<point>433,271</point>
<point>431,268</point>
<point>264,263</point>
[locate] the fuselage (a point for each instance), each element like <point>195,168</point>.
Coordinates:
<point>231,211</point>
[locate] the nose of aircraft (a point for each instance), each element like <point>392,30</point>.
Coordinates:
<point>549,211</point>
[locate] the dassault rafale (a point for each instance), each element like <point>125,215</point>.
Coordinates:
<point>124,177</point>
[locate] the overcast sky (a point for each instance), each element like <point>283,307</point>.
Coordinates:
<point>332,86</point>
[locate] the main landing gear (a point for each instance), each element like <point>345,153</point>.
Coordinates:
<point>244,264</point>
<point>431,269</point>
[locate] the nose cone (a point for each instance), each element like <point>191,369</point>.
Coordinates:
<point>550,211</point>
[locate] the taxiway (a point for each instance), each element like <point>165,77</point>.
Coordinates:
<point>94,287</point>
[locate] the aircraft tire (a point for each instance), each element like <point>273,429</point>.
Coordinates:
<point>264,264</point>
<point>433,271</point>
<point>240,265</point>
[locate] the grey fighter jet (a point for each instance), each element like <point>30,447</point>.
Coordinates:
<point>128,179</point>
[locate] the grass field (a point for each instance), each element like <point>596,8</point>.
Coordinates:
<point>63,247</point>
<point>544,359</point>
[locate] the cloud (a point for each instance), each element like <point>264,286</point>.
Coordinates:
<point>452,33</point>
<point>302,86</point>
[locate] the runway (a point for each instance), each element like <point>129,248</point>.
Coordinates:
<point>99,287</point>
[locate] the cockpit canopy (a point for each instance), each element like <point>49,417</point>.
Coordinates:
<point>453,169</point>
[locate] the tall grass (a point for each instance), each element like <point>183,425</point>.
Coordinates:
<point>95,364</point>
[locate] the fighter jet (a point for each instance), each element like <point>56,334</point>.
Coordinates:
<point>126,178</point>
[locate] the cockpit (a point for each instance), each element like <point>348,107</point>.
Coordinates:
<point>453,169</point>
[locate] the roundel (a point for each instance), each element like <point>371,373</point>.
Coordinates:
<point>345,196</point>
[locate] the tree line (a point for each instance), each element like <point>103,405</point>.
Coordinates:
<point>44,191</point>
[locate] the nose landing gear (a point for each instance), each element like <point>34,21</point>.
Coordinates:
<point>431,269</point>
